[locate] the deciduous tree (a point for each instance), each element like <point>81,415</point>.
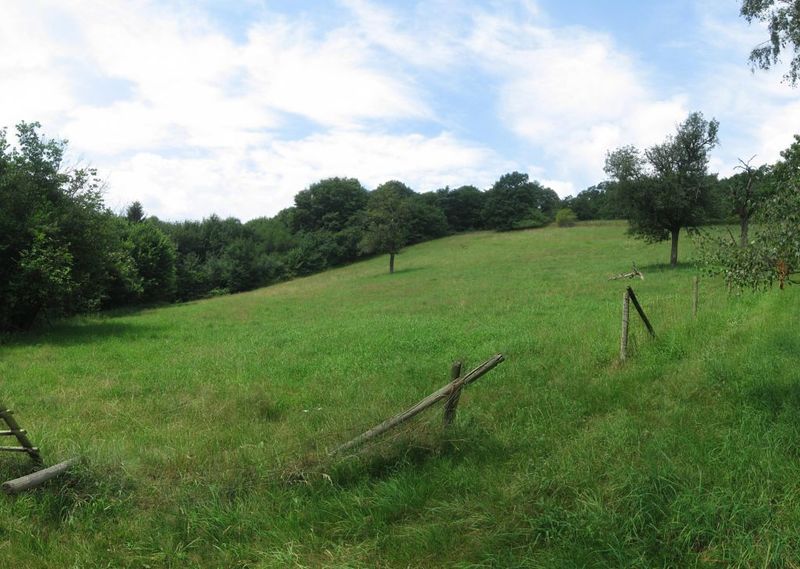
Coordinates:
<point>388,219</point>
<point>668,188</point>
<point>773,254</point>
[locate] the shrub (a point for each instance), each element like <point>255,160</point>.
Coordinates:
<point>533,220</point>
<point>565,217</point>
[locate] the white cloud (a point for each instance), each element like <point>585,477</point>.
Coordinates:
<point>329,81</point>
<point>572,93</point>
<point>183,115</point>
<point>263,180</point>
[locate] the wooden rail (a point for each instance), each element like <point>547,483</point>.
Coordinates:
<point>447,391</point>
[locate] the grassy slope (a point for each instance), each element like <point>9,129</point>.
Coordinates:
<point>192,418</point>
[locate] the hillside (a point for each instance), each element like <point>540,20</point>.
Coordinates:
<point>201,425</point>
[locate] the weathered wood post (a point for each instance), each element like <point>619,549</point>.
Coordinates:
<point>452,401</point>
<point>623,341</point>
<point>695,295</point>
<point>37,478</point>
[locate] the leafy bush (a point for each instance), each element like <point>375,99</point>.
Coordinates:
<point>534,220</point>
<point>565,217</point>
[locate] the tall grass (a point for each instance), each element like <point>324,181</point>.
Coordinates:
<point>203,427</point>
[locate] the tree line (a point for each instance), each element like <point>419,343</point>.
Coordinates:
<point>62,251</point>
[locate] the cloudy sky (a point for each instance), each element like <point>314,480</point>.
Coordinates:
<point>232,107</point>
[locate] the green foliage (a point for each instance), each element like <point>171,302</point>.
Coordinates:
<point>388,219</point>
<point>514,202</point>
<point>783,21</point>
<point>534,220</point>
<point>462,207</point>
<point>153,255</point>
<point>333,204</point>
<point>565,217</point>
<point>426,220</point>
<point>668,188</point>
<point>745,193</point>
<point>59,252</point>
<point>773,255</point>
<point>595,202</point>
<point>135,212</point>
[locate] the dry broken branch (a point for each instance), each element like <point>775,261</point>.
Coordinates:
<point>631,275</point>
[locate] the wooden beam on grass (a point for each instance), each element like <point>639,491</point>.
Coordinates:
<point>435,397</point>
<point>641,312</point>
<point>36,478</point>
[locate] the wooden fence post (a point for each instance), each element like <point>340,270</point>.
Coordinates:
<point>695,295</point>
<point>623,341</point>
<point>430,400</point>
<point>452,401</point>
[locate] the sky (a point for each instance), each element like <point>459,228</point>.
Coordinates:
<point>234,106</point>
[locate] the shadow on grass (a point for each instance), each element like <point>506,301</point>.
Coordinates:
<point>777,398</point>
<point>397,272</point>
<point>76,332</point>
<point>682,265</point>
<point>415,450</point>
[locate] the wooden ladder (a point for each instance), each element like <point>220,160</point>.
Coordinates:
<point>14,430</point>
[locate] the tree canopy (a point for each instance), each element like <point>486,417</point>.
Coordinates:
<point>388,220</point>
<point>514,202</point>
<point>668,187</point>
<point>61,250</point>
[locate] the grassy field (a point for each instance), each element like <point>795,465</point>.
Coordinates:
<point>202,427</point>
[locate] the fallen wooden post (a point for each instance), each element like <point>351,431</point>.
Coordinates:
<point>452,401</point>
<point>436,396</point>
<point>36,478</point>
<point>641,312</point>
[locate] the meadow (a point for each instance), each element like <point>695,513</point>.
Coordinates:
<point>203,427</point>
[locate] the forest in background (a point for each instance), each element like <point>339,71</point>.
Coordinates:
<point>63,251</point>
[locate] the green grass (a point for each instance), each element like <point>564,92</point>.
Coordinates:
<point>203,427</point>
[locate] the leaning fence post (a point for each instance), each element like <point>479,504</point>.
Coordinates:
<point>640,310</point>
<point>695,295</point>
<point>623,341</point>
<point>452,401</point>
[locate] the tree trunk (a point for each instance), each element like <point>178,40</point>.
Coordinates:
<point>673,256</point>
<point>745,224</point>
<point>391,263</point>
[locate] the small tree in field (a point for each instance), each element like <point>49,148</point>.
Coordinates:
<point>773,254</point>
<point>388,219</point>
<point>668,188</point>
<point>747,191</point>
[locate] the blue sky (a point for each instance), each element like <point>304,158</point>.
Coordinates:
<point>227,107</point>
